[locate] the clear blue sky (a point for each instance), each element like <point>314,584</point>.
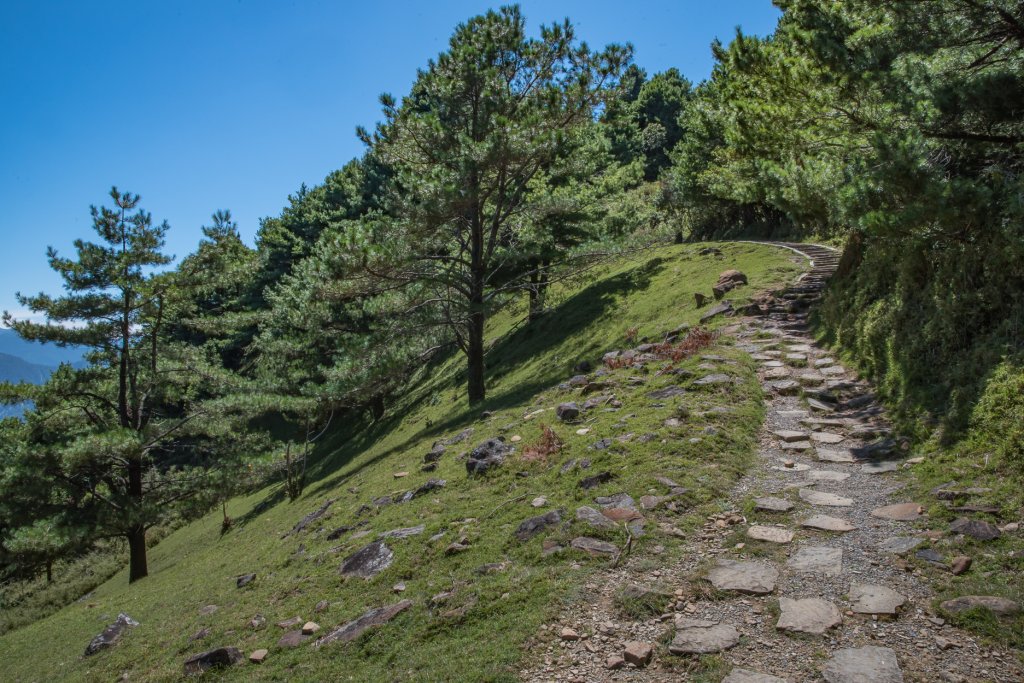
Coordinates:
<point>199,105</point>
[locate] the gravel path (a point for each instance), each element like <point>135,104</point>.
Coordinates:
<point>806,604</point>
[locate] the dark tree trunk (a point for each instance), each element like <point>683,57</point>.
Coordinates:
<point>49,571</point>
<point>137,534</point>
<point>475,351</point>
<point>138,568</point>
<point>377,407</point>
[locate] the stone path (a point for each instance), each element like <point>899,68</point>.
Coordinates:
<point>813,587</point>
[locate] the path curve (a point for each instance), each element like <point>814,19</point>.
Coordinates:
<point>831,594</point>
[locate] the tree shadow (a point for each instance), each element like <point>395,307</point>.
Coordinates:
<point>570,317</point>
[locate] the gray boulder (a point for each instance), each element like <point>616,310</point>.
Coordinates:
<point>490,453</point>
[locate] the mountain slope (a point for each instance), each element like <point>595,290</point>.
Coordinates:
<point>476,605</point>
<point>14,369</point>
<point>49,355</point>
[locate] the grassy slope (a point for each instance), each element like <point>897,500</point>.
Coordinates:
<point>195,566</point>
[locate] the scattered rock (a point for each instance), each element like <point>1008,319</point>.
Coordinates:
<point>290,623</point>
<point>755,578</point>
<point>790,435</point>
<point>868,664</point>
<point>199,635</point>
<point>258,656</point>
<point>696,636</point>
<point>569,635</point>
<point>258,622</point>
<point>310,518</point>
<point>614,663</point>
<point>368,561</point>
<point>827,475</point>
<point>244,580</point>
<point>1003,607</point>
<point>567,412</point>
<point>490,453</point>
<point>960,564</point>
<point>534,525</point>
<point>900,512</point>
<point>724,308</point>
<point>594,547</point>
<point>321,606</point>
<point>354,629</point>
<point>832,455</point>
<point>638,653</point>
<point>595,480</point>
<point>869,599</point>
<point>811,615</point>
<point>976,529</point>
<point>204,661</point>
<point>404,533</point>
<point>590,516</point>
<point>111,635</point>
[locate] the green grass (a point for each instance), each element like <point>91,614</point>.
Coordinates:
<point>503,610</point>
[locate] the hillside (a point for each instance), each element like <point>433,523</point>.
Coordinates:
<point>14,369</point>
<point>478,593</point>
<point>47,355</point>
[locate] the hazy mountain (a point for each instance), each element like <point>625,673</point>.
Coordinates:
<point>48,355</point>
<point>14,369</point>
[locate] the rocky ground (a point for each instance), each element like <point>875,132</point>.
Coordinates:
<point>805,575</point>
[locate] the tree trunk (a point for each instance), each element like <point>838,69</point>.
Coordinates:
<point>538,290</point>
<point>137,565</point>
<point>377,407</point>
<point>49,571</point>
<point>477,392</point>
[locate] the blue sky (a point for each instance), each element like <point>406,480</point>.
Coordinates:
<point>203,105</point>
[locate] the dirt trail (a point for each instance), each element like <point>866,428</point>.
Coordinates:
<point>850,607</point>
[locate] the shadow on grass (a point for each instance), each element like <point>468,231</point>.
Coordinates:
<point>570,318</point>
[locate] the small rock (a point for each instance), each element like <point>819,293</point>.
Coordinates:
<point>489,454</point>
<point>111,635</point>
<point>770,504</point>
<point>771,534</point>
<point>638,653</point>
<point>290,623</point>
<point>826,523</point>
<point>222,656</point>
<point>258,656</point>
<point>901,512</point>
<point>567,412</point>
<point>368,561</point>
<point>1002,607</point>
<point>309,628</point>
<point>321,606</point>
<point>976,529</point>
<point>614,663</point>
<point>569,635</point>
<point>373,618</point>
<point>245,580</point>
<point>594,547</point>
<point>529,528</point>
<point>696,636</point>
<point>960,564</point>
<point>539,502</point>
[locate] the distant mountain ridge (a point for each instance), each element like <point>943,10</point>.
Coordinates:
<point>15,369</point>
<point>49,355</point>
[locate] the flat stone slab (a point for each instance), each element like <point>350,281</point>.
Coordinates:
<point>810,379</point>
<point>835,455</point>
<point>738,675</point>
<point>713,379</point>
<point>827,499</point>
<point>790,435</point>
<point>900,545</point>
<point>810,615</point>
<point>696,636</point>
<point>833,370</point>
<point>817,560</point>
<point>820,406</point>
<point>827,437</point>
<point>868,664</point>
<point>871,599</point>
<point>771,534</point>
<point>1003,607</point>
<point>879,467</point>
<point>799,446</point>
<point>770,504</point>
<point>827,475</point>
<point>594,546</point>
<point>976,529</point>
<point>371,619</point>
<point>785,386</point>
<point>900,512</point>
<point>589,515</point>
<point>754,578</point>
<point>369,561</point>
<point>826,523</point>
